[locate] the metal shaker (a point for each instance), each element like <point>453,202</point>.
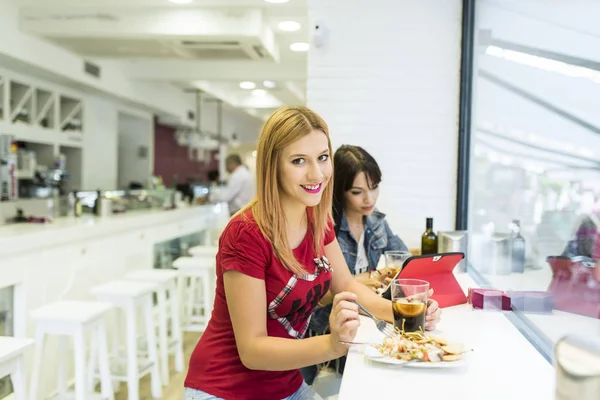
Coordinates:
<point>454,242</point>
<point>577,364</point>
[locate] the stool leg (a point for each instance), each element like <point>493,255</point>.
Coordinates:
<point>181,280</point>
<point>116,335</point>
<point>133,383</point>
<point>162,331</point>
<point>80,367</point>
<point>18,379</point>
<point>176,328</point>
<point>34,385</point>
<point>208,298</point>
<point>152,353</point>
<point>62,377</point>
<point>93,362</point>
<point>105,378</point>
<point>191,299</point>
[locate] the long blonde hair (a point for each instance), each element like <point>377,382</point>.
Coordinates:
<point>285,126</point>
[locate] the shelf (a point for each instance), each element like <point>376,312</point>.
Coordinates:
<point>33,134</point>
<point>39,115</point>
<point>46,109</point>
<point>71,111</point>
<point>20,102</point>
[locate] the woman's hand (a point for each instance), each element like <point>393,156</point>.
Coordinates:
<point>377,279</point>
<point>433,313</point>
<point>343,321</point>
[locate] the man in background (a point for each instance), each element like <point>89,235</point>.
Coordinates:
<point>240,188</point>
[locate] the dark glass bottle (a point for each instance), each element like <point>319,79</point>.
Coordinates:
<point>517,247</point>
<point>429,240</point>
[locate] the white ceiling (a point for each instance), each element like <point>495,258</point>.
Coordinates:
<point>208,44</point>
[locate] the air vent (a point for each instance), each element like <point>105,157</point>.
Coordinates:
<point>194,43</point>
<point>91,69</point>
<point>259,50</point>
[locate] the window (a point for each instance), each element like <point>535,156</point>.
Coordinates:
<point>535,162</point>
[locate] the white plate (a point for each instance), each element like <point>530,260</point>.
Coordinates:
<point>373,354</point>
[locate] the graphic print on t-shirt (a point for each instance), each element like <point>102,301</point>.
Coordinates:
<point>297,319</point>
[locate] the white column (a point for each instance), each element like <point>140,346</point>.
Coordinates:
<point>387,78</point>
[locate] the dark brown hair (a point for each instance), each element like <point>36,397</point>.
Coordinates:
<point>348,162</point>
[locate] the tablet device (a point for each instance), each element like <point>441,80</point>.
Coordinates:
<point>437,269</point>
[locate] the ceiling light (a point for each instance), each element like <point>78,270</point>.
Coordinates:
<point>301,46</point>
<point>289,26</point>
<point>277,1</point>
<point>259,92</point>
<point>181,1</point>
<point>247,85</point>
<point>269,84</point>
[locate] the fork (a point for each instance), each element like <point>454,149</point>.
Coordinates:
<point>384,327</point>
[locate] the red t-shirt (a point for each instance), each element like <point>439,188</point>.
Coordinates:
<point>215,365</point>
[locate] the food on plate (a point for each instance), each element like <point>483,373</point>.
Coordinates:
<point>409,346</point>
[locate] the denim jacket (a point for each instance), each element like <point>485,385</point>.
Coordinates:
<point>379,238</point>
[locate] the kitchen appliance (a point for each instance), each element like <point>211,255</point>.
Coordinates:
<point>577,364</point>
<point>454,242</point>
<point>8,169</point>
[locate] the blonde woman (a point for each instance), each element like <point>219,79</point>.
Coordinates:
<point>277,258</point>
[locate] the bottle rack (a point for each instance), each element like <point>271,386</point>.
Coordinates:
<point>36,114</point>
<point>20,102</point>
<point>45,102</point>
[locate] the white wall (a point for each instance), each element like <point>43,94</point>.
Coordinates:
<point>100,144</point>
<point>134,133</point>
<point>390,83</point>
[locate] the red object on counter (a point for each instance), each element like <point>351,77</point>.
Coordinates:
<point>437,270</point>
<point>489,299</point>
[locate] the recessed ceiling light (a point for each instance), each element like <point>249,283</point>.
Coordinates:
<point>247,85</point>
<point>289,26</point>
<point>269,84</point>
<point>259,92</point>
<point>301,46</point>
<point>181,1</point>
<point>277,1</point>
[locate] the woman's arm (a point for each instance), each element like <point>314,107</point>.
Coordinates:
<point>246,300</point>
<point>377,305</point>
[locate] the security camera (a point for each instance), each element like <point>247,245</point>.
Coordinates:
<point>319,35</point>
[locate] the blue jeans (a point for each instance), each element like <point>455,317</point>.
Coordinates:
<point>304,393</point>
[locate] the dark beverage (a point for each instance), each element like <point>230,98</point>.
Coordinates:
<point>429,240</point>
<point>409,316</point>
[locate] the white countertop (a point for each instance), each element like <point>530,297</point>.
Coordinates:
<point>26,236</point>
<point>504,365</point>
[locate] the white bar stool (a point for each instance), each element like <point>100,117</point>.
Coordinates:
<point>12,363</point>
<point>203,251</point>
<point>199,269</point>
<point>76,319</point>
<point>167,288</point>
<point>130,297</point>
